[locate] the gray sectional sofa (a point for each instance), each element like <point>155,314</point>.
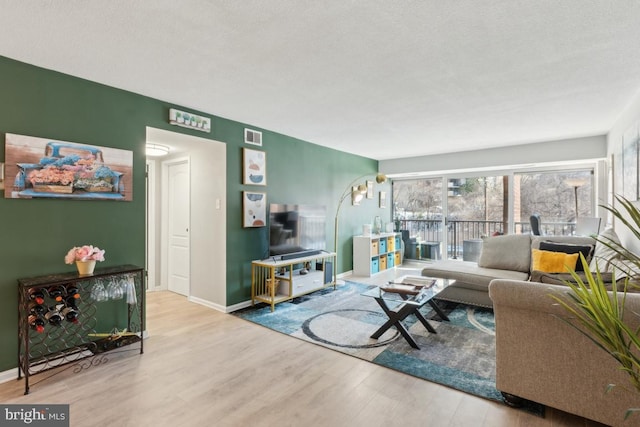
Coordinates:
<point>539,357</point>
<point>503,257</point>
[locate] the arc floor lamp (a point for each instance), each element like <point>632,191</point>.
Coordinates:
<point>357,193</point>
<point>575,183</point>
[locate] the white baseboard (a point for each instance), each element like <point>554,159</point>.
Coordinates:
<point>208,304</point>
<point>12,374</point>
<point>345,274</point>
<point>238,306</point>
<point>218,307</point>
<point>8,375</point>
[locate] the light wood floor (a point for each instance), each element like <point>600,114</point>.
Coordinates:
<point>205,368</point>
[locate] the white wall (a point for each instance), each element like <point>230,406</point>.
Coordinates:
<point>575,149</point>
<point>208,221</point>
<point>629,117</point>
<point>588,151</point>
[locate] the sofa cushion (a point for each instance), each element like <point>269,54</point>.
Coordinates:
<point>624,267</point>
<point>569,248</point>
<point>510,252</point>
<point>553,262</point>
<point>563,278</point>
<point>469,273</point>
<point>575,240</point>
<point>572,240</point>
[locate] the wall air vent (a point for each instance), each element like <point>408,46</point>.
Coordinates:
<point>252,137</point>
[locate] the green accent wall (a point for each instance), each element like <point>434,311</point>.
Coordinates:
<point>37,233</point>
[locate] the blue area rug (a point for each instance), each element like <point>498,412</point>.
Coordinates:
<point>460,355</point>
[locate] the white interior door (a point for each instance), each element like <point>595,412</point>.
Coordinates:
<point>178,203</point>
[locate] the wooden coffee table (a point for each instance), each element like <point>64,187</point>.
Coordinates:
<point>404,297</point>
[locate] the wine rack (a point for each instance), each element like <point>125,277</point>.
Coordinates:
<point>59,316</point>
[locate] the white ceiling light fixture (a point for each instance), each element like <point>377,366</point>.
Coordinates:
<point>156,150</point>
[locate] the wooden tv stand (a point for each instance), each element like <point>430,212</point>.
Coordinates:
<point>274,280</point>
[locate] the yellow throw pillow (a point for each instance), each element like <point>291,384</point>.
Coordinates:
<point>553,262</point>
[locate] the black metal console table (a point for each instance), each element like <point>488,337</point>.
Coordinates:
<point>58,315</point>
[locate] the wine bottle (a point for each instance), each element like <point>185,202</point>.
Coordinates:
<point>53,316</point>
<point>70,313</point>
<point>71,302</point>
<point>37,309</point>
<point>37,295</point>
<point>73,291</point>
<point>56,292</point>
<point>36,323</point>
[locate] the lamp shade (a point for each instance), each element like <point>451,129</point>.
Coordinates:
<point>575,182</point>
<point>156,150</point>
<point>381,178</point>
<point>357,197</point>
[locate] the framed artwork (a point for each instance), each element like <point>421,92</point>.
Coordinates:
<point>45,168</point>
<point>2,176</point>
<point>254,209</point>
<point>383,199</point>
<point>254,167</point>
<point>369,189</point>
<point>189,120</point>
<point>356,197</point>
<point>630,163</point>
<point>611,190</point>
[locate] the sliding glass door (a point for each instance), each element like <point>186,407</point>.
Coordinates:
<point>558,197</point>
<point>418,211</point>
<point>475,208</point>
<point>448,216</point>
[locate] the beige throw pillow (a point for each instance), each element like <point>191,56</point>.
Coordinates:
<point>510,252</point>
<point>602,255</point>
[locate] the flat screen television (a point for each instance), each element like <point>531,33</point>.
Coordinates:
<point>296,228</point>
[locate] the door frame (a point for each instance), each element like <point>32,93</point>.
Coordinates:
<point>151,222</point>
<point>164,222</point>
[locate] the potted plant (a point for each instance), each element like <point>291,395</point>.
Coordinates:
<point>85,258</point>
<point>598,312</point>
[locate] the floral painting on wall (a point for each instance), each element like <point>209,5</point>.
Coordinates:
<point>44,168</point>
<point>254,208</point>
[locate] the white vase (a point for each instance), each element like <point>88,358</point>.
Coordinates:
<point>377,225</point>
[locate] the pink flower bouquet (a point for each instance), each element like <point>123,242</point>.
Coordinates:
<point>84,253</point>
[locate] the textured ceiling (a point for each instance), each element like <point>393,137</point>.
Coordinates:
<point>384,79</point>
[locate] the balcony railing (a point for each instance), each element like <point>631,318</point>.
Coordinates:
<point>428,232</point>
